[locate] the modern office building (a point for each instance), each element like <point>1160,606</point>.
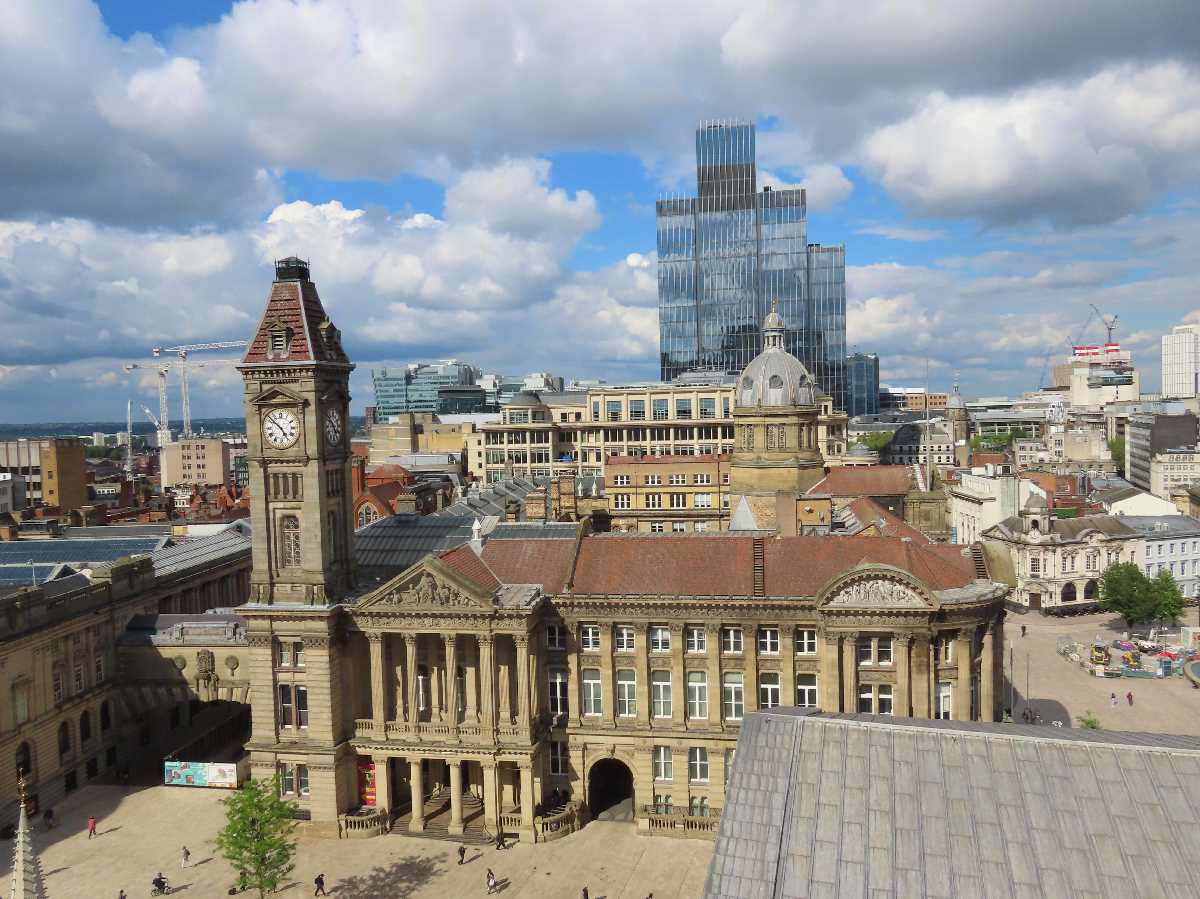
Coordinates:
<point>862,384</point>
<point>52,467</point>
<point>446,386</point>
<point>1181,361</point>
<point>1161,451</point>
<point>726,254</point>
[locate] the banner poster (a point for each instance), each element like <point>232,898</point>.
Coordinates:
<point>366,782</point>
<point>218,775</point>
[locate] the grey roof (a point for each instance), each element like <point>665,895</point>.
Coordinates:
<point>863,806</point>
<point>1116,494</point>
<point>207,628</point>
<point>200,553</point>
<point>534,530</point>
<point>776,378</point>
<point>386,547</point>
<point>491,501</point>
<point>1064,530</point>
<point>157,529</point>
<point>1163,525</point>
<point>60,549</point>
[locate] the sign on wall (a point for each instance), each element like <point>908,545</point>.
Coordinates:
<point>218,775</point>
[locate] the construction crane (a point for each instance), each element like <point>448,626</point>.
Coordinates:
<point>1110,324</point>
<point>184,365</point>
<point>162,422</point>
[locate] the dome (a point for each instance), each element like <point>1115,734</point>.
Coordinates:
<point>775,377</point>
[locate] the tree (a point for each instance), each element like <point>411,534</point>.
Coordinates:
<point>1116,449</point>
<point>1088,720</point>
<point>876,440</point>
<point>1124,589</point>
<point>257,838</point>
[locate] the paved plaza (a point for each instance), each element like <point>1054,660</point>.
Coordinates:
<point>142,831</point>
<point>1059,690</point>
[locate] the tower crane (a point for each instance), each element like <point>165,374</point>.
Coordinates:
<point>183,365</point>
<point>1110,324</point>
<point>162,422</point>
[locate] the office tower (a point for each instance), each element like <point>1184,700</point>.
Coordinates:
<point>1181,361</point>
<point>447,386</point>
<point>726,253</point>
<point>862,384</point>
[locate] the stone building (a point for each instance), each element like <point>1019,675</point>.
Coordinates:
<point>658,494</point>
<point>541,672</point>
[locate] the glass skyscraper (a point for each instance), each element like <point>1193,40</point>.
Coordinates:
<point>862,384</point>
<point>726,253</point>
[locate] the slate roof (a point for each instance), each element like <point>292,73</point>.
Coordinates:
<point>192,555</point>
<point>53,550</point>
<point>1162,526</point>
<point>863,806</point>
<point>296,304</point>
<point>1064,529</point>
<point>388,546</point>
<point>867,480</point>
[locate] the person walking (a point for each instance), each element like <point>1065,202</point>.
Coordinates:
<point>184,855</point>
<point>491,881</point>
<point>462,854</point>
<point>319,880</point>
<point>500,840</point>
<point>1022,630</point>
<point>121,895</point>
<point>583,894</point>
<point>1129,697</point>
<point>91,826</point>
<point>1112,700</point>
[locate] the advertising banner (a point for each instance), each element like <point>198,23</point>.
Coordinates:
<point>366,782</point>
<point>218,775</point>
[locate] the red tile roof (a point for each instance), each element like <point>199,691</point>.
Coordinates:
<point>297,306</point>
<point>516,561</point>
<point>867,480</point>
<point>800,566</point>
<point>868,511</point>
<point>390,472</point>
<point>463,560</point>
<point>664,564</point>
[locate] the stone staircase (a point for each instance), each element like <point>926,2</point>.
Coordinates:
<point>437,822</point>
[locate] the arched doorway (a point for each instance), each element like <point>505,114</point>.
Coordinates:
<point>610,791</point>
<point>1068,592</point>
<point>1091,591</point>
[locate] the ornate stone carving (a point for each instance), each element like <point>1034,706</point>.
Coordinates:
<point>876,594</point>
<point>428,592</point>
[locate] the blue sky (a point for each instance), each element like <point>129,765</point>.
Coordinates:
<point>478,181</point>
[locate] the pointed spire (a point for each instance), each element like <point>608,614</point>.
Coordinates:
<point>27,880</point>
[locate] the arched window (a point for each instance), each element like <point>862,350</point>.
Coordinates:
<point>289,542</point>
<point>367,514</point>
<point>105,716</point>
<point>24,760</point>
<point>1068,592</point>
<point>85,727</point>
<point>64,739</point>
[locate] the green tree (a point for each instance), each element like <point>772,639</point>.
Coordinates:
<point>257,838</point>
<point>1124,589</point>
<point>1116,449</point>
<point>1088,720</point>
<point>876,440</point>
<point>1168,598</point>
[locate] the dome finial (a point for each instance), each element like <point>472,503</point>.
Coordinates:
<point>773,328</point>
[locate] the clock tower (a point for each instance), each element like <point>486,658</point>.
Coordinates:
<point>297,402</point>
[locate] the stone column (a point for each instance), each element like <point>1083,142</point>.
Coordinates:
<point>850,672</point>
<point>641,670</point>
<point>383,785</point>
<point>829,687</point>
<point>451,679</point>
<point>491,796</point>
<point>608,690</point>
<point>787,671</point>
<point>750,654</point>
<point>471,671</point>
<point>962,685</point>
<point>712,645</point>
<point>526,767</point>
<point>522,642</point>
<point>487,688</point>
<point>902,702</point>
<point>378,685</point>
<point>987,674</point>
<point>536,677</point>
<point>410,673</point>
<point>456,819</point>
<point>678,677</point>
<point>922,676</point>
<point>417,785</point>
<point>504,712</point>
<point>574,685</point>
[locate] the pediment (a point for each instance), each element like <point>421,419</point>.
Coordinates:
<point>875,588</point>
<point>278,396</point>
<point>430,587</point>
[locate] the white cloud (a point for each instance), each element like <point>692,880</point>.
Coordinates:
<point>903,232</point>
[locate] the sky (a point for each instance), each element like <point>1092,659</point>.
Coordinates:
<point>477,180</point>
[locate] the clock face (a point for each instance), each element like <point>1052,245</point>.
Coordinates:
<point>333,427</point>
<point>281,428</point>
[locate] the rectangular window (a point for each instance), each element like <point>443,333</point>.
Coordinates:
<point>806,642</point>
<point>558,758</point>
<point>287,779</point>
<point>732,696</point>
<point>621,480</point>
<point>624,639</point>
<point>1035,566</point>
<point>558,692</point>
<point>677,480</point>
<point>708,407</point>
<point>731,639</point>
<point>806,691</point>
<point>653,480</point>
<point>683,408</point>
<point>703,500</point>
<point>660,639</point>
<point>298,654</point>
<point>701,527</point>
<point>589,637</point>
<point>697,694</point>
<point>556,636</point>
<point>626,694</point>
<point>78,679</point>
<point>612,410</point>
<point>302,707</point>
<point>768,641</point>
<point>884,704</point>
<point>944,708</point>
<point>947,650</point>
<point>768,690</point>
<point>697,764</point>
<point>621,501</point>
<point>883,651</point>
<point>656,527</point>
<point>866,700</point>
<point>58,688</point>
<point>21,702</point>
<point>663,763</point>
<point>703,480</point>
<point>637,410</point>
<point>287,712</point>
<point>592,702</point>
<point>98,669</point>
<point>678,500</point>
<point>596,410</point>
<point>660,686</point>
<point>697,640</point>
<point>660,410</point>
<point>678,527</point>
<point>654,501</point>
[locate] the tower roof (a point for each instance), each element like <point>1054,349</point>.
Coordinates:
<point>775,377</point>
<point>26,880</point>
<point>294,327</point>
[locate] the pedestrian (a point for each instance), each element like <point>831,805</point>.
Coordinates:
<point>319,880</point>
<point>1129,696</point>
<point>462,854</point>
<point>500,840</point>
<point>1112,700</point>
<point>91,826</point>
<point>491,881</point>
<point>121,895</point>
<point>583,894</point>
<point>1022,630</point>
<point>184,855</point>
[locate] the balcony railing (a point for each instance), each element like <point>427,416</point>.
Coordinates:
<point>681,824</point>
<point>559,823</point>
<point>369,825</point>
<point>364,729</point>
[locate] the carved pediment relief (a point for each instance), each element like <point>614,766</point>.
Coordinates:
<point>278,396</point>
<point>880,592</point>
<point>425,590</point>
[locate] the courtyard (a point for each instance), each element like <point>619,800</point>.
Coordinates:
<point>1059,690</point>
<point>142,831</point>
